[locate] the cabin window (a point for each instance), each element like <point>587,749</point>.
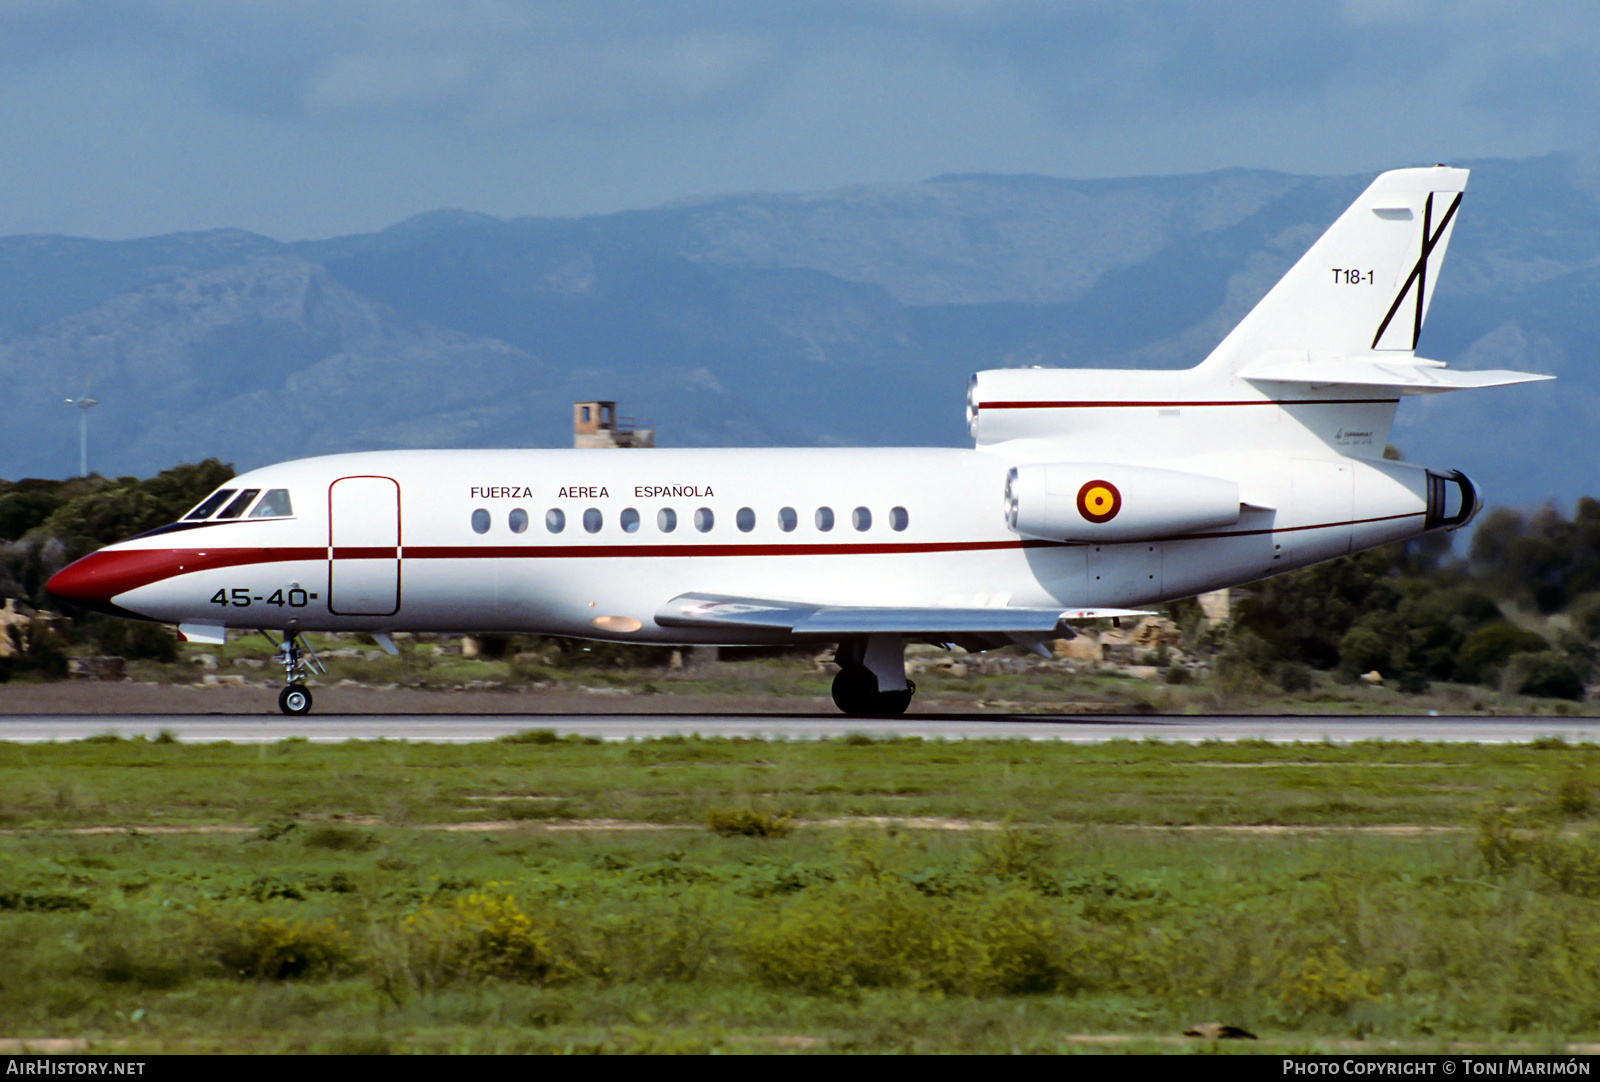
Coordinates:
<point>240,502</point>
<point>555,520</point>
<point>824,519</point>
<point>704,520</point>
<point>480,521</point>
<point>212,502</point>
<point>518,520</point>
<point>593,520</point>
<point>275,504</point>
<point>861,519</point>
<point>787,519</point>
<point>630,521</point>
<point>666,520</point>
<point>745,520</point>
<point>898,518</point>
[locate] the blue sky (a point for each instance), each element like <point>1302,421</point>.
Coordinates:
<point>310,119</point>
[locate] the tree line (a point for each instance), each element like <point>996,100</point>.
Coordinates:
<point>47,524</point>
<point>1416,613</point>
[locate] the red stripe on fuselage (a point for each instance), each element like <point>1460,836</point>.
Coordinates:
<point>1032,405</point>
<point>101,576</point>
<point>376,552</point>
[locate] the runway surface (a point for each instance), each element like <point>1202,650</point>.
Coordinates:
<point>466,728</point>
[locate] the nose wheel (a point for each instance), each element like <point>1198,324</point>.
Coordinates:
<point>295,654</point>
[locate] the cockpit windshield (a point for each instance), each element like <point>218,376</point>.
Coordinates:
<point>209,505</point>
<point>233,503</point>
<point>275,504</point>
<point>240,502</point>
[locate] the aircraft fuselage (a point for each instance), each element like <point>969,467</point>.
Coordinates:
<point>586,543</point>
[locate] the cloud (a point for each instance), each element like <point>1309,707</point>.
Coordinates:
<point>488,63</point>
<point>577,81</point>
<point>291,116</point>
<point>475,63</point>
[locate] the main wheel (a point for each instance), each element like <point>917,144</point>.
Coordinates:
<point>891,704</point>
<point>295,699</point>
<point>855,692</point>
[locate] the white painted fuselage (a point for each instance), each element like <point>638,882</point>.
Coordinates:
<point>429,540</point>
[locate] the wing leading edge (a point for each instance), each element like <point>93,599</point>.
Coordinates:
<point>971,628</point>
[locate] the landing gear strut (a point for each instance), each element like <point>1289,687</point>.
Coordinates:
<point>295,699</point>
<point>871,680</point>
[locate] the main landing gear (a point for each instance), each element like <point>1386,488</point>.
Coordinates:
<point>294,654</point>
<point>872,677</point>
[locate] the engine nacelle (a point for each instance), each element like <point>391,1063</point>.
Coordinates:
<point>1088,501</point>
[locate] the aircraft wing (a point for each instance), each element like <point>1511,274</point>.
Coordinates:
<point>972,628</point>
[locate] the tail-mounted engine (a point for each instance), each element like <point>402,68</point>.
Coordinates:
<point>1085,501</point>
<point>1453,500</point>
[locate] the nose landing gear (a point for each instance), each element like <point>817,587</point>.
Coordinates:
<point>295,699</point>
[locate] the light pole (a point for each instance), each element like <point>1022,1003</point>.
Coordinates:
<point>84,404</point>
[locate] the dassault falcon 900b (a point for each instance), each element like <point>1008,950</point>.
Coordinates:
<point>1265,457</point>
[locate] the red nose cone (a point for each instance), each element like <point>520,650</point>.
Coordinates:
<point>94,580</point>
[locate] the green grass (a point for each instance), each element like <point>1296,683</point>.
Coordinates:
<point>681,779</point>
<point>327,908</point>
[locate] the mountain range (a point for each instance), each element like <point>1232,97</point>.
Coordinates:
<point>844,317</point>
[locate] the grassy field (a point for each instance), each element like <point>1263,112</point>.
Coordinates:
<point>544,894</point>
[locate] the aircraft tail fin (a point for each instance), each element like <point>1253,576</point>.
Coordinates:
<point>1331,348</point>
<point>1363,288</point>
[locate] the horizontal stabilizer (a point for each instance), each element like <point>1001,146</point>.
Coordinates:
<point>1406,377</point>
<point>832,621</point>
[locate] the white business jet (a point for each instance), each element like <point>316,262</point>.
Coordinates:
<point>1087,494</point>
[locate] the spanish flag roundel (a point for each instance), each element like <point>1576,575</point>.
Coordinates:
<point>1099,501</point>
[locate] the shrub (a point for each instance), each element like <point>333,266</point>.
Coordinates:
<point>137,640</point>
<point>266,948</point>
<point>750,823</point>
<point>1574,796</point>
<point>1489,647</point>
<point>477,935</point>
<point>1292,676</point>
<point>1546,675</point>
<point>1363,650</point>
<point>1324,982</point>
<point>153,954</point>
<point>531,736</point>
<point>884,933</point>
<point>329,836</point>
<point>1564,864</point>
